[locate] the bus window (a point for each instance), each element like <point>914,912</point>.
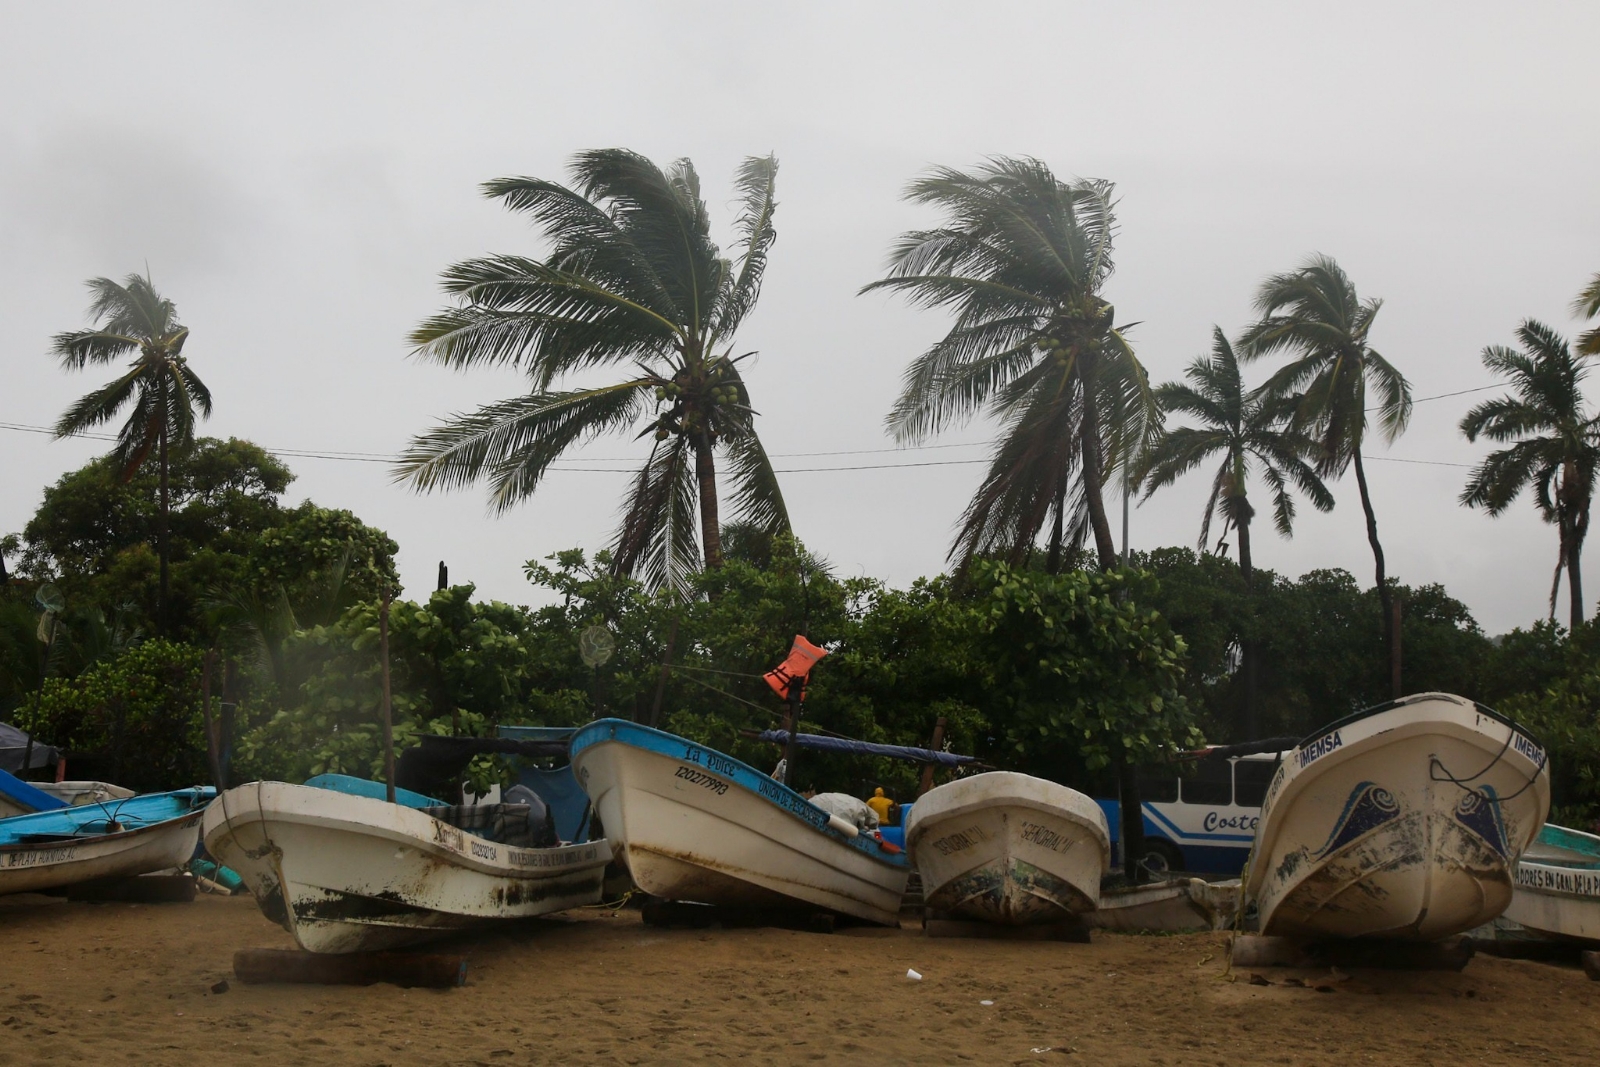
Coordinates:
<point>1158,787</point>
<point>1250,780</point>
<point>1211,783</point>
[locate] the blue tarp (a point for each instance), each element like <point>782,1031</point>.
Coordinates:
<point>867,748</point>
<point>24,795</point>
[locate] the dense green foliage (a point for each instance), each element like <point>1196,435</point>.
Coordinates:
<point>137,716</point>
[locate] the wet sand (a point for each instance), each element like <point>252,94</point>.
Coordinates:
<point>121,983</point>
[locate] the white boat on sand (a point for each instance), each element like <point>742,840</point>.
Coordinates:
<point>346,873</point>
<point>113,839</point>
<point>1008,848</point>
<point>1404,821</point>
<point>692,824</point>
<point>1558,886</point>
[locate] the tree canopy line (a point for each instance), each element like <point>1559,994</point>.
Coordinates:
<point>1042,648</point>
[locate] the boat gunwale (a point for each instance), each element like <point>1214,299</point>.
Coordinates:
<point>915,831</point>
<point>256,813</point>
<point>62,841</point>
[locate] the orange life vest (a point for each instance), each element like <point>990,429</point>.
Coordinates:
<point>803,655</point>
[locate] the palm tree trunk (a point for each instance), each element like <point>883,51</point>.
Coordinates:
<point>705,472</point>
<point>1093,478</point>
<point>1385,596</point>
<point>1052,563</point>
<point>161,533</point>
<point>1574,570</point>
<point>1250,727</point>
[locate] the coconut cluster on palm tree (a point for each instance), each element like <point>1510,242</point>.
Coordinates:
<point>159,388</point>
<point>1554,445</point>
<point>633,280</point>
<point>1021,261</point>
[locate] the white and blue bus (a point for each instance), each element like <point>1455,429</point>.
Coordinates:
<point>1202,820</point>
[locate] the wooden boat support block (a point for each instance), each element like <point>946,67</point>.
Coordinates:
<point>1591,965</point>
<point>1076,933</point>
<point>144,889</point>
<point>1253,950</point>
<point>1528,949</point>
<point>410,969</point>
<point>656,912</point>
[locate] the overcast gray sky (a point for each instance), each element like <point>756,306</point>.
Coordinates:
<point>296,176</point>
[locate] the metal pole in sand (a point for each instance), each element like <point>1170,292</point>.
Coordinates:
<point>388,719</point>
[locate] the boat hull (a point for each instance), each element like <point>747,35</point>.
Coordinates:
<point>34,866</point>
<point>1405,822</point>
<point>1557,890</point>
<point>1008,848</point>
<point>694,825</point>
<point>352,874</point>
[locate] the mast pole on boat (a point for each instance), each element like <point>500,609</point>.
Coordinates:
<point>388,718</point>
<point>791,726</point>
<point>933,746</point>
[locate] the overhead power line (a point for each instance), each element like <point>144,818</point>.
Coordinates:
<point>576,464</point>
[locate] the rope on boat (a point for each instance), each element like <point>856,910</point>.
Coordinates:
<point>1511,732</point>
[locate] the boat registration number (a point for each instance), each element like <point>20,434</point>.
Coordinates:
<point>701,778</point>
<point>1308,754</point>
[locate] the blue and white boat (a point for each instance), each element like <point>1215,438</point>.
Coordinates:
<point>1558,886</point>
<point>1404,821</point>
<point>116,838</point>
<point>693,824</point>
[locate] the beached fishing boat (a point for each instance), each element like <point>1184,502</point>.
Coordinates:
<point>344,872</point>
<point>1557,890</point>
<point>110,839</point>
<point>1008,848</point>
<point>693,824</point>
<point>1403,821</point>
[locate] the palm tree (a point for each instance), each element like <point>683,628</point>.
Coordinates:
<point>1587,306</point>
<point>1022,262</point>
<point>1249,431</point>
<point>633,280</point>
<point>1315,315</point>
<point>132,319</point>
<point>1556,445</point>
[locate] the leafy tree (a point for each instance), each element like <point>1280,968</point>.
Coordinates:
<point>1022,261</point>
<point>1587,306</point>
<point>458,667</point>
<point>136,718</point>
<point>92,531</point>
<point>1555,445</point>
<point>1248,430</point>
<point>633,280</point>
<point>1315,316</point>
<point>132,319</point>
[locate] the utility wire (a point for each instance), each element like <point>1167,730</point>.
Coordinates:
<point>342,456</point>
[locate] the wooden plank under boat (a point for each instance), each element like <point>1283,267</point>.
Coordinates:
<point>1008,848</point>
<point>112,839</point>
<point>1173,906</point>
<point>1404,821</point>
<point>349,873</point>
<point>693,824</point>
<point>1557,890</point>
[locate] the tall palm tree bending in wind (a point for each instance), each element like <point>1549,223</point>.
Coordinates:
<point>132,320</point>
<point>1314,315</point>
<point>1021,261</point>
<point>633,281</point>
<point>1251,433</point>
<point>1555,445</point>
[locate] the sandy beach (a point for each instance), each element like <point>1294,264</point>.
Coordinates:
<point>125,983</point>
